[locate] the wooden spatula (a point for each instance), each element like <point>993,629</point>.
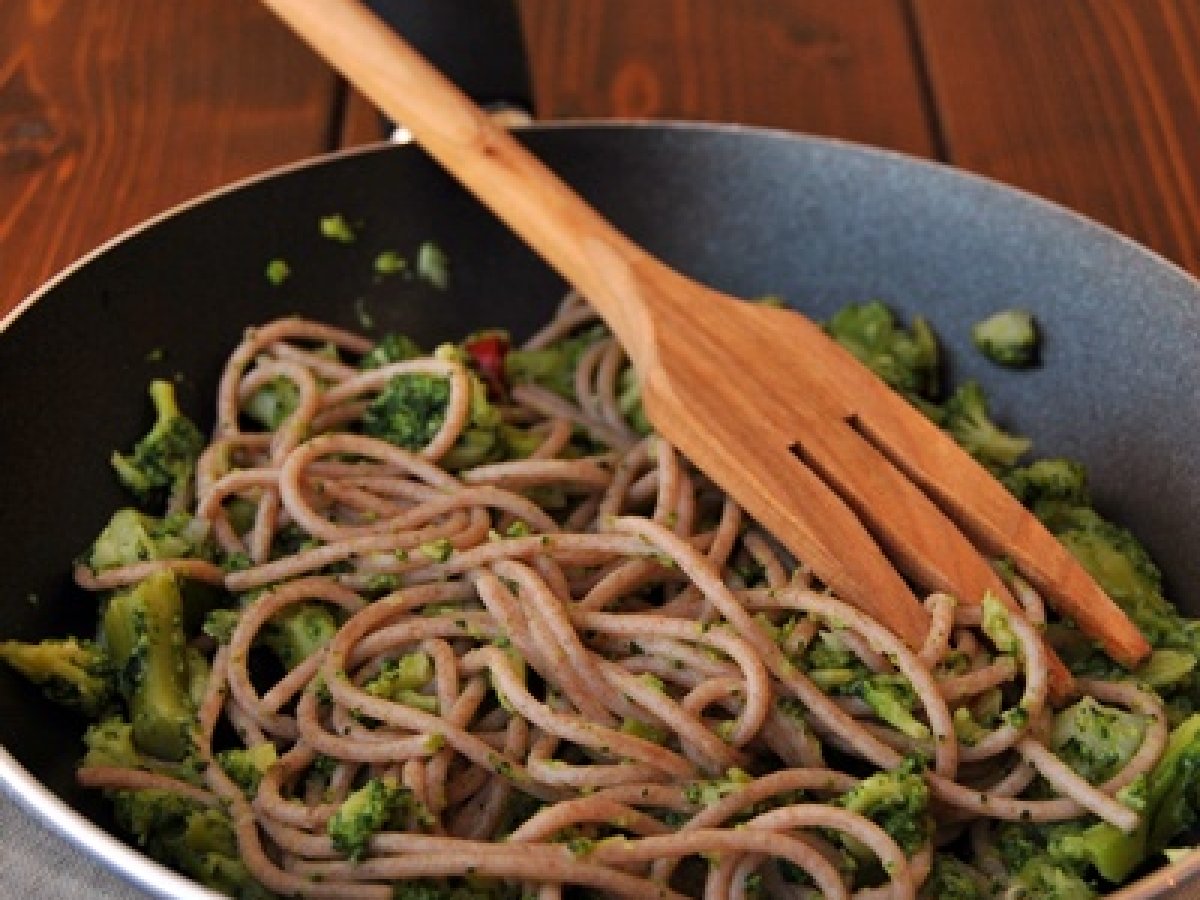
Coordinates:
<point>847,474</point>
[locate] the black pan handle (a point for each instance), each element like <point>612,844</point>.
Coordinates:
<point>478,44</point>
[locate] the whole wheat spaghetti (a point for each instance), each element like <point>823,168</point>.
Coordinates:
<point>577,667</point>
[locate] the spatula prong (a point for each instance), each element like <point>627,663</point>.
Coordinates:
<point>913,531</point>
<point>999,524</point>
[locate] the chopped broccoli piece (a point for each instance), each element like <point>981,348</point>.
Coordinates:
<point>336,228</point>
<point>708,792</point>
<point>966,729</point>
<point>906,359</point>
<point>389,262</point>
<point>299,631</point>
<point>829,652</point>
<point>1122,567</point>
<point>196,839</point>
<point>553,367</point>
<point>1164,669</point>
<point>410,411</point>
<point>1172,807</point>
<point>76,673</point>
<point>652,733</point>
<point>272,403</point>
<point>893,699</point>
<point>247,765</point>
<point>219,624</point>
<point>133,537</point>
<point>391,348</point>
<point>518,443</point>
<point>143,633</point>
<point>277,271</point>
<point>1053,480</point>
<point>996,625</point>
<point>471,888</point>
<point>1009,337</point>
<point>363,813</point>
<point>952,879</point>
<point>163,461</point>
<point>896,801</point>
<point>1042,878</point>
<point>409,672</point>
<point>1096,740</point>
<point>433,265</point>
<point>110,743</point>
<point>967,421</point>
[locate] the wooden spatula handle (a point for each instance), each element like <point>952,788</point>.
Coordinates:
<point>550,217</point>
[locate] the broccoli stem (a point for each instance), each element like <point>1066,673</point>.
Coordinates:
<point>143,633</point>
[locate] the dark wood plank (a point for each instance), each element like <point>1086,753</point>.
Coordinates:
<point>1094,103</point>
<point>110,112</point>
<point>820,66</point>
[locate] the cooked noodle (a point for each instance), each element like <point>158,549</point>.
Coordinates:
<point>590,664</point>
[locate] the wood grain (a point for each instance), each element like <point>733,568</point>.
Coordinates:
<point>819,66</point>
<point>1093,103</point>
<point>111,112</point>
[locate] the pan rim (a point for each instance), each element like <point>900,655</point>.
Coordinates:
<point>128,862</point>
<point>1041,204</point>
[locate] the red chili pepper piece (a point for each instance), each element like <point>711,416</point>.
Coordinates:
<point>487,354</point>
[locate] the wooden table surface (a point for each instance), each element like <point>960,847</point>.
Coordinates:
<point>112,110</point>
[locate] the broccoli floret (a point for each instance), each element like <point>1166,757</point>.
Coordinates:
<point>132,537</point>
<point>1121,566</point>
<point>163,461</point>
<point>517,442</point>
<point>365,812</point>
<point>907,359</point>
<point>110,743</point>
<point>472,888</point>
<point>392,348</point>
<point>298,632</point>
<point>219,624</point>
<point>76,673</point>
<point>433,265</point>
<point>997,626</point>
<point>410,411</point>
<point>896,801</point>
<point>272,403</point>
<point>1042,878</point>
<point>1017,844</point>
<point>150,815</point>
<point>1172,807</point>
<point>966,419</point>
<point>247,765</point>
<point>1009,337</point>
<point>195,839</point>
<point>1096,740</point>
<point>1166,669</point>
<point>893,699</point>
<point>708,792</point>
<point>1049,480</point>
<point>966,729</point>
<point>554,365</point>
<point>399,680</point>
<point>409,672</point>
<point>952,879</point>
<point>143,633</point>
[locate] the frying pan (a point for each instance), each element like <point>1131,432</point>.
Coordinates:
<point>749,211</point>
